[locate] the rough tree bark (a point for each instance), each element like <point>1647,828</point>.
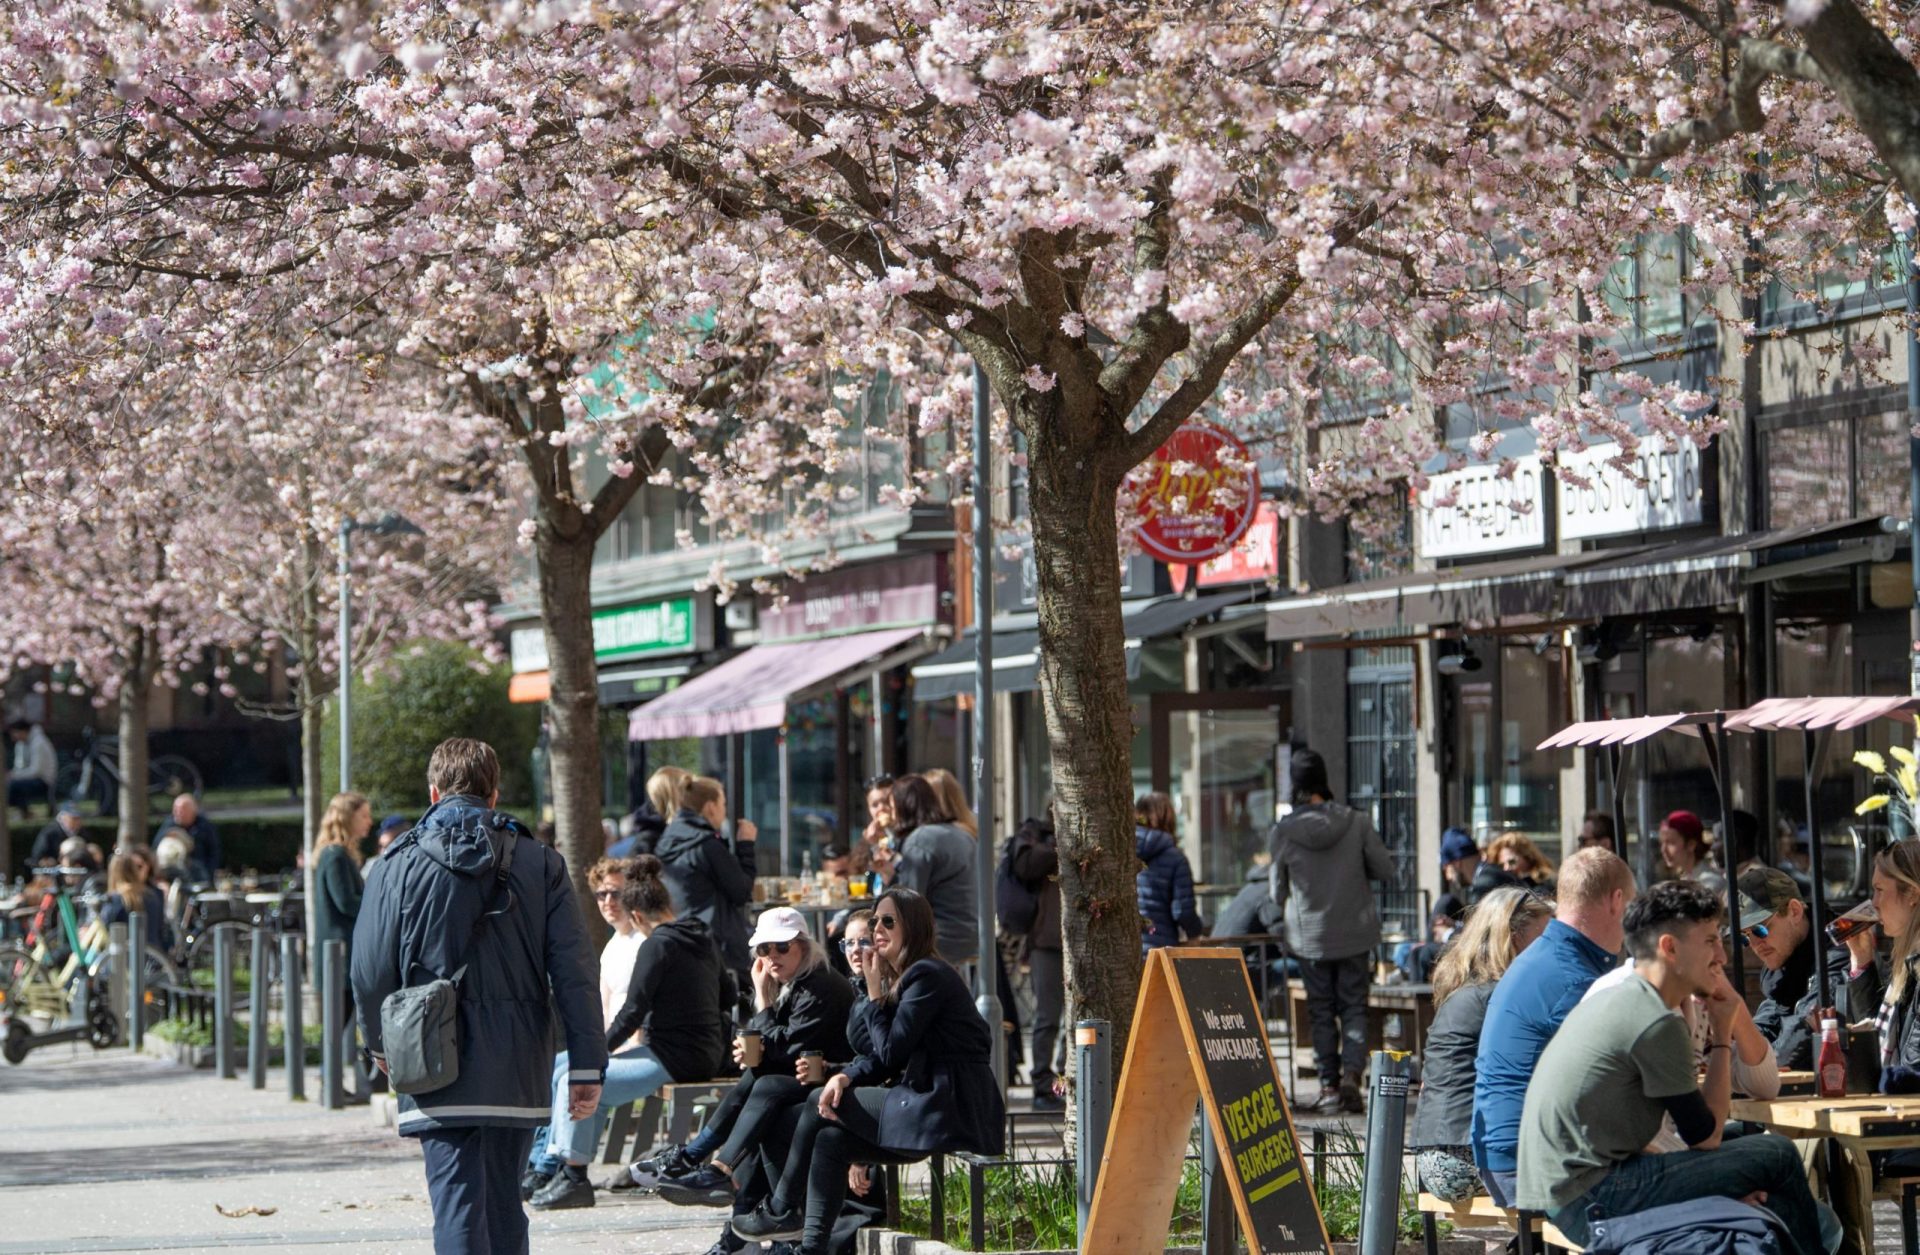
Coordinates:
<point>136,677</point>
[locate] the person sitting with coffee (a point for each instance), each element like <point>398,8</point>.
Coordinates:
<point>678,997</point>
<point>799,1027</point>
<point>1777,930</point>
<point>925,1035</point>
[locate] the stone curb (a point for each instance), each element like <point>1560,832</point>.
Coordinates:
<point>878,1241</point>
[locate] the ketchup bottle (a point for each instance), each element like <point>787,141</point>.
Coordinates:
<point>1831,1068</point>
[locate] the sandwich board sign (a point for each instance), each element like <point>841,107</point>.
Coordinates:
<point>1198,1035</point>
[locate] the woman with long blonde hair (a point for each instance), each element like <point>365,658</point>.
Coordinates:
<point>1499,927</point>
<point>1887,996</point>
<point>953,800</point>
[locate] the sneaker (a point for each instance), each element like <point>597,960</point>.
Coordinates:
<point>703,1187</point>
<point>763,1224</point>
<point>1047,1100</point>
<point>564,1192</point>
<point>648,1173</point>
<point>727,1245</point>
<point>533,1182</point>
<point>784,1248</point>
<point>1351,1101</point>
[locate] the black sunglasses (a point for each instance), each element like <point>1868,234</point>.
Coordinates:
<point>772,947</point>
<point>605,895</point>
<point>888,922</point>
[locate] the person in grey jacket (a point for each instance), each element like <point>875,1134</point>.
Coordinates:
<point>934,859</point>
<point>435,905</point>
<point>711,877</point>
<point>1324,854</point>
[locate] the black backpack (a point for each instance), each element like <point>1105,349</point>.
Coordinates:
<point>1015,902</point>
<point>1704,1226</point>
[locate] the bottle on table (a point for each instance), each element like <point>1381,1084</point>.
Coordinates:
<point>1830,1068</point>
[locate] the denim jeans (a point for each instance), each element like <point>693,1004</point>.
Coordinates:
<point>631,1075</point>
<point>1735,1170</point>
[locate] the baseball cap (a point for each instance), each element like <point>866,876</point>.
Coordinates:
<point>1455,845</point>
<point>1764,893</point>
<point>395,821</point>
<point>780,923</point>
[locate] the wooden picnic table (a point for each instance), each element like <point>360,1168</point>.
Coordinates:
<point>1868,1121</point>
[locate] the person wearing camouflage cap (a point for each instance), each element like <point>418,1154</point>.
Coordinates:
<point>1777,930</point>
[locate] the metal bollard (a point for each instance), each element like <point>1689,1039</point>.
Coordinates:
<point>117,972</point>
<point>1218,1226</point>
<point>223,1000</point>
<point>333,992</point>
<point>257,1013</point>
<point>1093,1108</point>
<point>291,994</point>
<point>1386,1148</point>
<point>136,1003</point>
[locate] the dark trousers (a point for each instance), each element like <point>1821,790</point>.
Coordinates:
<point>720,1122</point>
<point>1337,1011</point>
<point>23,791</point>
<point>473,1180</point>
<point>761,1103</point>
<point>1049,1006</point>
<point>821,1152</point>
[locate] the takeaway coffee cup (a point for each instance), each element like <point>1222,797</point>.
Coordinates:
<point>749,1050</point>
<point>813,1067</point>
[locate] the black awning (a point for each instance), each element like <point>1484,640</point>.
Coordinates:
<point>1483,593</point>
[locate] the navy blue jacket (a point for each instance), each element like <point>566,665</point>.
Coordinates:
<point>204,860</point>
<point>711,881</point>
<point>1164,889</point>
<point>532,957</point>
<point>931,1037</point>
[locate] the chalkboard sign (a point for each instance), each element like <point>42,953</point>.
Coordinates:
<point>1198,1035</point>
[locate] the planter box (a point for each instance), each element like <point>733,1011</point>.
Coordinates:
<point>177,1052</point>
<point>878,1241</point>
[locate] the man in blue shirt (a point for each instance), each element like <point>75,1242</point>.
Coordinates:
<point>1544,983</point>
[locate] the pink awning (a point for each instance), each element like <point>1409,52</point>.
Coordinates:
<point>750,692</point>
<point>1841,713</point>
<point>1620,731</point>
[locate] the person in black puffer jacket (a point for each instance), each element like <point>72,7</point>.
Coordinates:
<point>664,788</point>
<point>927,1038</point>
<point>1165,884</point>
<point>679,994</point>
<point>711,878</point>
<point>1036,861</point>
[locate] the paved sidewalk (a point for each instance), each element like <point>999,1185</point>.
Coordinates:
<point>113,1151</point>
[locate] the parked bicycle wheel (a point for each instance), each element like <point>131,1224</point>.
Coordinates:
<point>199,968</point>
<point>170,775</point>
<point>27,989</point>
<point>160,978</point>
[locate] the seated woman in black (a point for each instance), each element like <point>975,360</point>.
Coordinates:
<point>800,1007</point>
<point>927,1037</point>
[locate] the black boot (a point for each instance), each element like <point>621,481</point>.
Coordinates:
<point>1350,1094</point>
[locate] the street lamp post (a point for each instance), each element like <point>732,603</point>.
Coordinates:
<point>986,986</point>
<point>385,525</point>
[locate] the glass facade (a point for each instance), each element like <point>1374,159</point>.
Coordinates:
<point>1497,781</point>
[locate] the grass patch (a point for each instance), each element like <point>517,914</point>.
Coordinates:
<point>1032,1206</point>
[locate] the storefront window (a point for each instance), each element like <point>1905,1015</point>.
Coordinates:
<point>1500,782</point>
<point>1807,473</point>
<point>1884,467</point>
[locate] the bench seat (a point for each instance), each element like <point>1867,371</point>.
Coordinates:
<point>1481,1212</point>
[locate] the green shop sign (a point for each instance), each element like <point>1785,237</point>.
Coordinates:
<point>660,627</point>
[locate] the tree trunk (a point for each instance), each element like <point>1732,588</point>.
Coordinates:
<point>135,677</point>
<point>1083,678</point>
<point>566,613</point>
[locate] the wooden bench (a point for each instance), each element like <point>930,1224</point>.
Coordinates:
<point>1536,1233</point>
<point>680,1103</point>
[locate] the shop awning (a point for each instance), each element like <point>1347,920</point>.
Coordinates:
<point>1482,593</point>
<point>1699,574</point>
<point>530,686</point>
<point>1016,652</point>
<point>751,691</point>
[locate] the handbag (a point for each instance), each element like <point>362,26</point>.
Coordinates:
<point>420,1024</point>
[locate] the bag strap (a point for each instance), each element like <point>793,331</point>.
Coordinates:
<point>502,870</point>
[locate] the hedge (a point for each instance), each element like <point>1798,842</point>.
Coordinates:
<point>264,845</point>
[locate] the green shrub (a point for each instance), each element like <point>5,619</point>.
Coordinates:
<point>265,845</point>
<point>431,690</point>
<point>193,1033</point>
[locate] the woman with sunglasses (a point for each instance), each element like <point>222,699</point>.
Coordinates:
<point>928,1040</point>
<point>800,1007</point>
<point>678,997</point>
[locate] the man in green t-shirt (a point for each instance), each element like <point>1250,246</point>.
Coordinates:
<point>1622,1059</point>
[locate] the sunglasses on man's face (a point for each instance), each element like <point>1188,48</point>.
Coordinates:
<point>766,948</point>
<point>1757,933</point>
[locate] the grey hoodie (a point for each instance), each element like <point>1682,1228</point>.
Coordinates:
<point>1323,857</point>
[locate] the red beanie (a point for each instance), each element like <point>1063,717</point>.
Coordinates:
<point>1687,824</point>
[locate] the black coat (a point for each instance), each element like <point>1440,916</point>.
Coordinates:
<point>114,910</point>
<point>648,824</point>
<point>1444,1117</point>
<point>1860,1000</point>
<point>711,882</point>
<point>46,845</point>
<point>337,893</point>
<point>1787,996</point>
<point>1036,860</point>
<point>931,1037</point>
<point>528,962</point>
<point>811,1015</point>
<point>679,993</point>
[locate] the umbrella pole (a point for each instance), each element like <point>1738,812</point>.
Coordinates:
<point>1615,799</point>
<point>1810,747</point>
<point>1717,751</point>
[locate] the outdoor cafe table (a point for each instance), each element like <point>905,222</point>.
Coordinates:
<point>1862,1123</point>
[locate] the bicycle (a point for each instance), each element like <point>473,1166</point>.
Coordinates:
<point>59,961</point>
<point>94,774</point>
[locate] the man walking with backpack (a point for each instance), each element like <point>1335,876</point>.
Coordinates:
<point>1027,889</point>
<point>469,930</point>
<point>1323,856</point>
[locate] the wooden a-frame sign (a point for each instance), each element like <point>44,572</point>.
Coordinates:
<point>1198,1035</point>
